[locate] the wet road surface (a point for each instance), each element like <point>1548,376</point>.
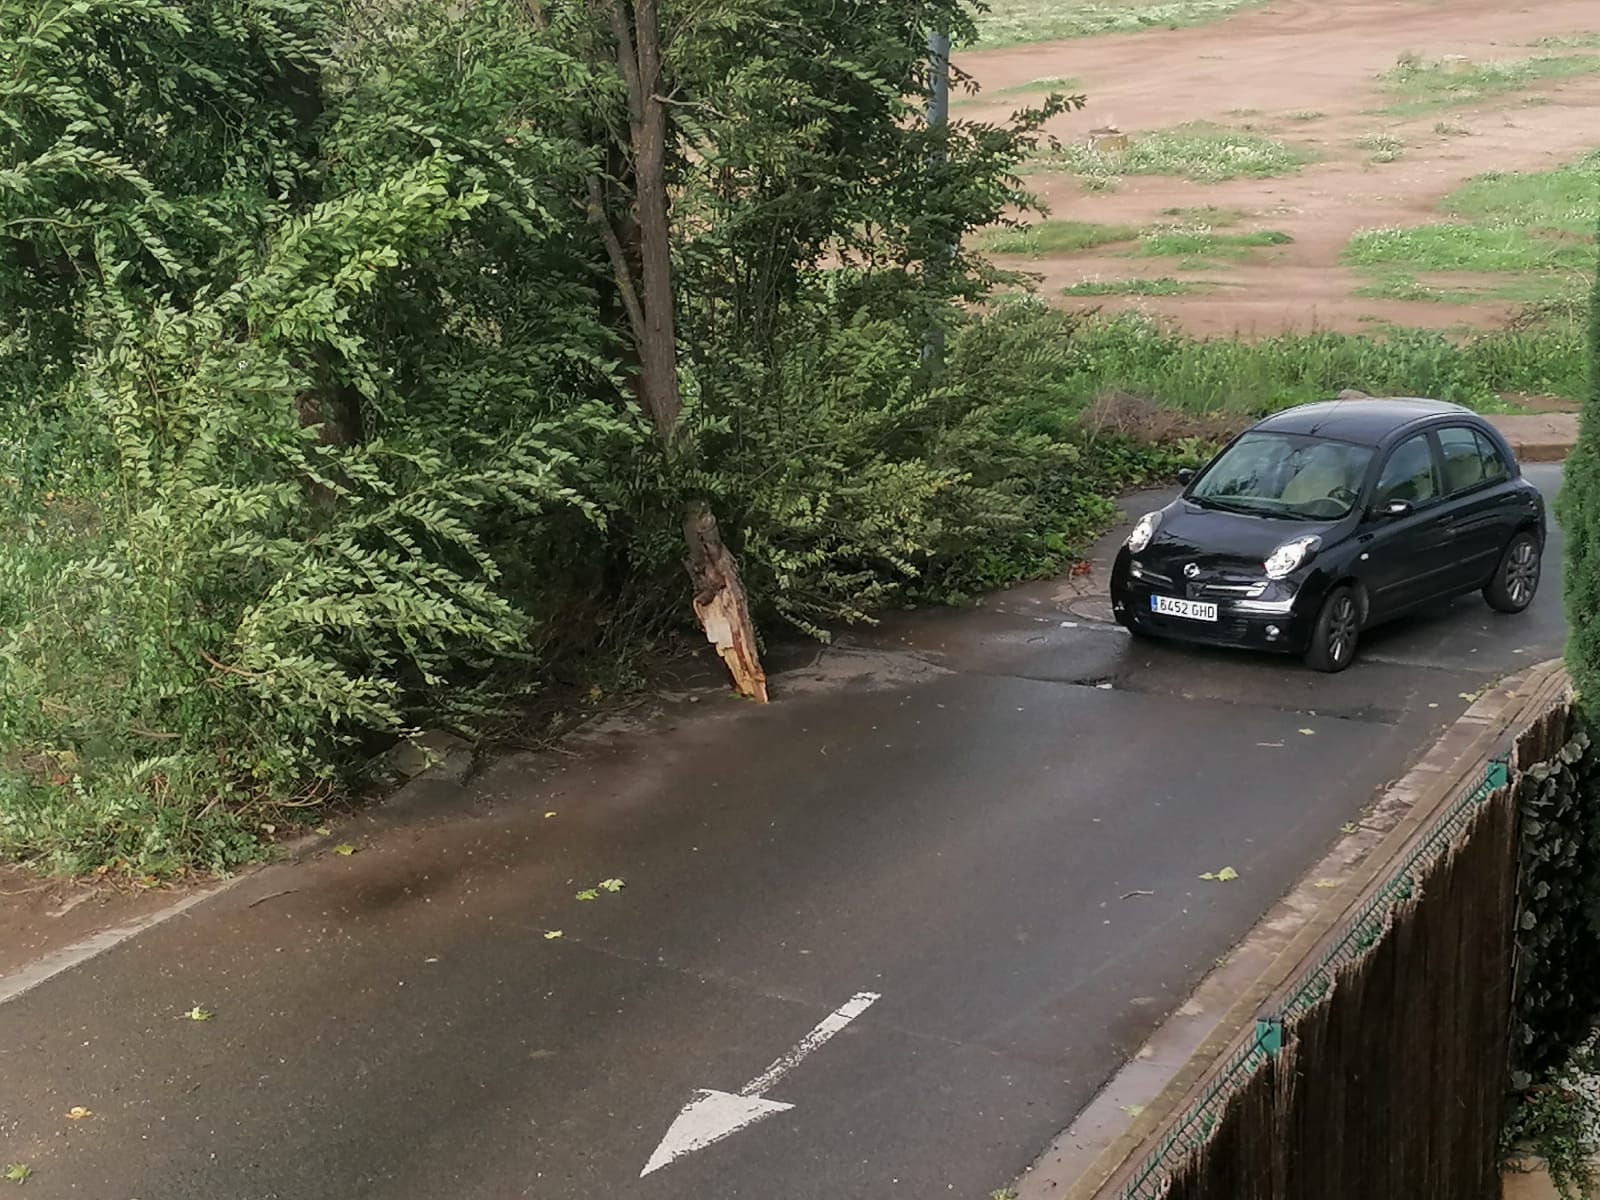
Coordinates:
<point>960,816</point>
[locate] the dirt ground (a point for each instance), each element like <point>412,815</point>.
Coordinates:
<point>1253,71</point>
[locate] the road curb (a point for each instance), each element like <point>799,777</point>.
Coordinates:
<point>1122,1124</point>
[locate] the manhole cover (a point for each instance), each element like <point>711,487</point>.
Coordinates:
<point>1093,608</point>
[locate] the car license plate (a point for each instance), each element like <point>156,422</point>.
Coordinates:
<point>1189,610</point>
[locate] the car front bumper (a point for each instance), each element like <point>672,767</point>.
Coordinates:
<point>1275,617</point>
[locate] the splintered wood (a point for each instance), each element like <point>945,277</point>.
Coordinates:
<point>720,603</point>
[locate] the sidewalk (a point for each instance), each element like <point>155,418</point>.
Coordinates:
<point>1539,437</point>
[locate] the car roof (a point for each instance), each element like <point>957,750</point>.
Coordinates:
<point>1365,422</point>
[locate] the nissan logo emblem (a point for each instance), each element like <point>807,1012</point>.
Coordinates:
<point>1192,571</point>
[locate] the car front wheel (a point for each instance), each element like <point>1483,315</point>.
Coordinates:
<point>1338,629</point>
<point>1516,579</point>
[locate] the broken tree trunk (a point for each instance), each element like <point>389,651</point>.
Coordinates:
<point>720,602</point>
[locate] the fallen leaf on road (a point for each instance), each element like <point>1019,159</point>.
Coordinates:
<point>1348,827</point>
<point>1308,733</point>
<point>548,815</point>
<point>1133,1110</point>
<point>77,1113</point>
<point>551,935</point>
<point>1226,875</point>
<point>322,831</point>
<point>588,894</point>
<point>198,1014</point>
<point>1327,883</point>
<point>611,885</point>
<point>1270,745</point>
<point>1140,892</point>
<point>344,848</point>
<point>18,1173</point>
<point>1469,697</point>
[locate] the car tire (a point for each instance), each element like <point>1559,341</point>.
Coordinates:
<point>1337,632</point>
<point>1516,578</point>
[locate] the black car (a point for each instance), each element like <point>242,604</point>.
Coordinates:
<point>1327,519</point>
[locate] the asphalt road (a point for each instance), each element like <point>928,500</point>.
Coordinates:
<point>954,817</point>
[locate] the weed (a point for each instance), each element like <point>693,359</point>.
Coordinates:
<point>1565,200</point>
<point>1306,114</point>
<point>1057,237</point>
<point>1200,151</point>
<point>1130,287</point>
<point>1406,287</point>
<point>1450,129</point>
<point>1014,22</point>
<point>1381,147</point>
<point>1422,86</point>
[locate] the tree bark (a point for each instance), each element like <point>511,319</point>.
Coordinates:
<point>720,602</point>
<point>641,262</point>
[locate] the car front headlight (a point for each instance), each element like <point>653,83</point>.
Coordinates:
<point>1144,531</point>
<point>1289,557</point>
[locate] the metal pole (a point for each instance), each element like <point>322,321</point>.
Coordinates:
<point>938,119</point>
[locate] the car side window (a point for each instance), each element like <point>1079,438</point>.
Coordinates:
<point>1464,465</point>
<point>1408,475</point>
<point>1495,466</point>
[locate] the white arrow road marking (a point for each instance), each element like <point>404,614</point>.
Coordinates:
<point>711,1115</point>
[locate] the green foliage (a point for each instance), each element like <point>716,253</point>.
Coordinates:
<point>1560,1122</point>
<point>1554,1065</point>
<point>1558,936</point>
<point>1199,241</point>
<point>1580,516</point>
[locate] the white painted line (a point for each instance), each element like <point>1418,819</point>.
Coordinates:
<point>711,1115</point>
<point>826,1028</point>
<point>27,978</point>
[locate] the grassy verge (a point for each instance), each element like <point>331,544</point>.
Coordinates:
<point>1421,86</point>
<point>1132,354</point>
<point>1534,228</point>
<point>1017,22</point>
<point>1199,150</point>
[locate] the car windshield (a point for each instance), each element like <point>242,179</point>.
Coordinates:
<point>1285,475</point>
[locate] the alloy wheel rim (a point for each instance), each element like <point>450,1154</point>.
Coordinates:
<point>1342,630</point>
<point>1522,573</point>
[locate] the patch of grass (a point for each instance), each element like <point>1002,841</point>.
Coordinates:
<point>1463,247</point>
<point>1209,215</point>
<point>1049,83</point>
<point>1450,129</point>
<point>1565,200</point>
<point>1569,41</point>
<point>1423,86</point>
<point>1015,22</point>
<point>1406,287</point>
<point>1131,287</point>
<point>1535,225</point>
<point>1381,147</point>
<point>1133,354</point>
<point>1199,151</point>
<point>1192,242</point>
<point>1057,237</point>
<point>1306,114</point>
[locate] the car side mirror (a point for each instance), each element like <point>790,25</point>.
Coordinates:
<point>1186,476</point>
<point>1396,509</point>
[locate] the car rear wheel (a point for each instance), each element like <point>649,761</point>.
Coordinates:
<point>1336,633</point>
<point>1516,579</point>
